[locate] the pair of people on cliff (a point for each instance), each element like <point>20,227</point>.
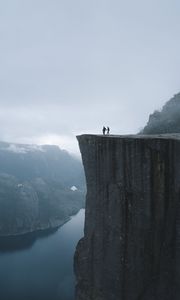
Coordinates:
<point>105,130</point>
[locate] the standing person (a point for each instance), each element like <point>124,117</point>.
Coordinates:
<point>104,130</point>
<point>108,130</point>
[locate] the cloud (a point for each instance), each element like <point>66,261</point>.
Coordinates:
<point>70,67</point>
<point>18,148</point>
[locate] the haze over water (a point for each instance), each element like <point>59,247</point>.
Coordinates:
<point>44,270</point>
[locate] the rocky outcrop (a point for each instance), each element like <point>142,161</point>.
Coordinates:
<point>131,244</point>
<point>166,120</point>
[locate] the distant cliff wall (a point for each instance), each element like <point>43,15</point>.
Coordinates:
<point>36,187</point>
<point>131,247</point>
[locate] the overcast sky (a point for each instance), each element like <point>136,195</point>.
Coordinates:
<point>71,66</point>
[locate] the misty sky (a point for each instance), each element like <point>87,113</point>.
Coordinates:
<point>71,66</point>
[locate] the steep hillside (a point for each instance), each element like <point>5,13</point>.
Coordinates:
<point>36,187</point>
<point>165,121</point>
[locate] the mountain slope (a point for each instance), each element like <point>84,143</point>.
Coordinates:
<point>165,121</point>
<point>35,187</point>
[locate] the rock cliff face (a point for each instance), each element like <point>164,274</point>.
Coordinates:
<point>166,120</point>
<point>131,245</point>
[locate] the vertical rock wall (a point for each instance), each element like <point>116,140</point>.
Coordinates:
<point>131,246</point>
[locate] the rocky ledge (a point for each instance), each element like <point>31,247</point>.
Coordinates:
<point>131,244</point>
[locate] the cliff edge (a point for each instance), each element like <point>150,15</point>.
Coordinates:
<point>131,244</point>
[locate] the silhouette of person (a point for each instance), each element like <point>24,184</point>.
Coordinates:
<point>104,130</point>
<point>108,130</point>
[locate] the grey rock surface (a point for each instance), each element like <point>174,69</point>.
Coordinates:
<point>167,120</point>
<point>131,244</point>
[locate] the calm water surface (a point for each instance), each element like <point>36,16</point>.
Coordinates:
<point>40,267</point>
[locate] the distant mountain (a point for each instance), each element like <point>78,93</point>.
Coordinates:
<point>165,121</point>
<point>40,187</point>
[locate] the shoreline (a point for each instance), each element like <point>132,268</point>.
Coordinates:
<point>49,227</point>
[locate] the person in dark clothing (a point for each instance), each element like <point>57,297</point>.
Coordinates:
<point>108,130</point>
<point>104,130</point>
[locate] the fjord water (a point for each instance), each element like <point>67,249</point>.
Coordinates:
<point>40,267</point>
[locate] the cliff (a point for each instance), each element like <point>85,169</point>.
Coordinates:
<point>36,187</point>
<point>131,244</point>
<point>167,120</point>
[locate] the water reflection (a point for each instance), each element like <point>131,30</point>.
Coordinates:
<point>43,267</point>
